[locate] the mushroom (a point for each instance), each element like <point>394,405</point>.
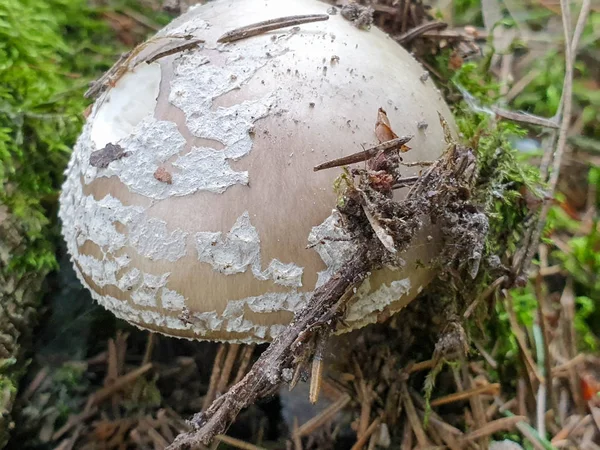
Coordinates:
<point>190,205</point>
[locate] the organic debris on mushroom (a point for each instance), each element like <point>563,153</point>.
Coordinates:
<point>190,198</point>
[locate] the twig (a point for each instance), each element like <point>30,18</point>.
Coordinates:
<point>413,419</point>
<point>567,365</point>
<point>506,423</point>
<point>525,118</point>
<point>406,181</point>
<point>73,421</point>
<point>270,25</point>
<point>546,347</point>
<point>215,376</point>
<point>567,301</point>
<point>565,112</point>
<point>245,361</point>
<point>571,427</point>
<point>316,375</point>
<point>456,34</point>
<point>519,336</point>
<point>407,436</point>
<point>518,87</point>
<point>538,442</point>
<point>366,400</point>
<point>292,347</point>
<point>417,163</point>
<point>388,146</point>
<point>488,358</point>
<point>176,49</point>
<point>325,416</point>
<point>149,348</point>
<point>237,443</point>
<point>485,294</point>
<point>475,401</point>
<point>276,363</point>
<point>362,440</point>
<point>118,384</point>
<point>429,364</point>
<point>493,388</point>
<point>227,367</point>
<point>410,35</point>
<point>296,438</point>
<point>35,383</point>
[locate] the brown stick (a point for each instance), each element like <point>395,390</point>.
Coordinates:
<point>275,365</point>
<point>215,376</point>
<point>551,397</point>
<point>237,443</point>
<point>365,155</point>
<point>493,388</point>
<point>413,418</point>
<point>366,435</point>
<point>245,362</point>
<point>119,384</point>
<point>506,423</point>
<point>324,417</point>
<point>270,25</point>
<point>227,367</point>
<point>525,118</point>
<point>418,31</point>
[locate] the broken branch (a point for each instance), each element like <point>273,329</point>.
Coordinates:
<point>270,25</point>
<point>365,155</point>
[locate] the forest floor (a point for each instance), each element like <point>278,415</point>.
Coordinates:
<point>531,377</point>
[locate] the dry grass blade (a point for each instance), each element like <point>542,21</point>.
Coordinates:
<point>561,368</point>
<point>520,337</point>
<point>492,389</point>
<point>413,418</point>
<point>73,421</point>
<point>567,301</point>
<point>409,36</point>
<point>118,384</point>
<point>525,118</point>
<point>572,425</point>
<point>227,367</point>
<point>215,376</point>
<point>247,352</point>
<point>506,423</point>
<point>485,294</point>
<point>325,416</point>
<point>429,364</point>
<point>237,443</point>
<point>362,440</point>
<point>564,111</point>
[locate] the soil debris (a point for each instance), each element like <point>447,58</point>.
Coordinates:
<point>163,175</point>
<point>103,157</point>
<point>360,16</point>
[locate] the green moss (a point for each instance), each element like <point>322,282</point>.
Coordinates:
<point>49,51</point>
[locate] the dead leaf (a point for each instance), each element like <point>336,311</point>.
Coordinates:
<point>456,61</point>
<point>87,111</point>
<point>383,129</point>
<point>161,174</point>
<point>382,235</point>
<point>103,157</point>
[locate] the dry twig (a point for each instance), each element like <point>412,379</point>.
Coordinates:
<point>270,25</point>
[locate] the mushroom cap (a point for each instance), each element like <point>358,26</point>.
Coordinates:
<point>190,197</point>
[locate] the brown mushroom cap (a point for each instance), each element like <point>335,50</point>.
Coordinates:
<point>190,197</point>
